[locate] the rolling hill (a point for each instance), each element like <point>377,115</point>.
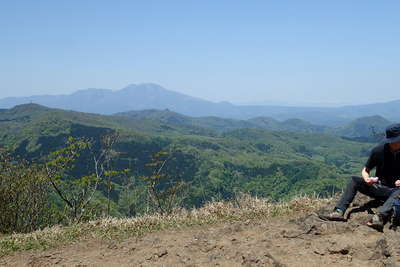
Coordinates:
<point>363,127</point>
<point>32,120</point>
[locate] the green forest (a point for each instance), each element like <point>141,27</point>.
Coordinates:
<point>63,167</point>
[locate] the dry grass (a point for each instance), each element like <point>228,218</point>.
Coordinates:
<point>243,209</point>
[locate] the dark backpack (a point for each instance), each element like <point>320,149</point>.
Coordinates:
<point>396,212</point>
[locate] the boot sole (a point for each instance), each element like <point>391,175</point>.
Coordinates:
<point>377,227</point>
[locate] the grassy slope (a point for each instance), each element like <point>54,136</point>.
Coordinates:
<point>245,208</point>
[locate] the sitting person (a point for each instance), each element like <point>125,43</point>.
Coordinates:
<point>385,186</point>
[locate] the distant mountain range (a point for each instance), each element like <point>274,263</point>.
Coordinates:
<point>362,127</point>
<point>152,96</point>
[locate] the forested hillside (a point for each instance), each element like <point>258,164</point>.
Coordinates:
<point>160,165</point>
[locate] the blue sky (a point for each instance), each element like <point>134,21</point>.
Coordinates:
<point>289,52</point>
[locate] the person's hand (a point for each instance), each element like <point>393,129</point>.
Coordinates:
<point>397,183</point>
<point>373,180</point>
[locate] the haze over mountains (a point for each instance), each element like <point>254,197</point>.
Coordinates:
<point>166,122</point>
<point>137,97</point>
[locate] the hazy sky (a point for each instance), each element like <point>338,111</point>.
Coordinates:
<point>240,51</point>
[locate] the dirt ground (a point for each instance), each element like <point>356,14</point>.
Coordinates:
<point>303,240</point>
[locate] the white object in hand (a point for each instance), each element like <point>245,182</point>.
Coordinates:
<point>374,179</point>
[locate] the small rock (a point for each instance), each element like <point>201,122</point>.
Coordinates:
<point>338,250</point>
<point>162,253</point>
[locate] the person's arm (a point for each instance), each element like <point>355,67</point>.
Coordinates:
<point>365,175</point>
<point>371,163</point>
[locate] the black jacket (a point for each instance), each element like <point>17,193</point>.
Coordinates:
<point>387,164</point>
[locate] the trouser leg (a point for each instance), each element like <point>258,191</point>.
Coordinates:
<point>357,184</point>
<point>387,207</point>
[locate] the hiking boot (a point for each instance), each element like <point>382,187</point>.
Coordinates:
<point>336,215</point>
<point>376,222</point>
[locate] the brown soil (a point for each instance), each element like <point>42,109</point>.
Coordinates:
<point>303,240</point>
